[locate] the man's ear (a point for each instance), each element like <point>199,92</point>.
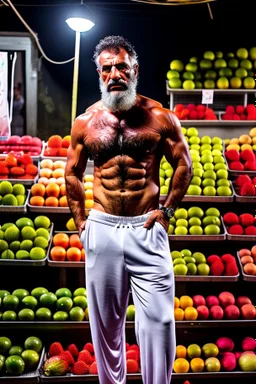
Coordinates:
<point>136,69</point>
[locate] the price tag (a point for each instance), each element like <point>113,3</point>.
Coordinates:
<point>207,96</point>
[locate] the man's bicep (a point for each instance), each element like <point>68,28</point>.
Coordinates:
<point>176,148</point>
<point>77,156</point>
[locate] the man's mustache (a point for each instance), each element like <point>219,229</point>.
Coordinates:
<point>116,82</point>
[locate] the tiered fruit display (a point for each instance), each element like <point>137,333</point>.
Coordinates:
<point>22,144</point>
<point>239,112</point>
<point>26,239</point>
<point>18,359</point>
<point>215,70</point>
<point>245,185</point>
<point>240,224</point>
<point>248,261</point>
<point>210,175</point>
<point>57,146</point>
<point>194,221</point>
<point>194,112</point>
<point>223,306</point>
<point>12,194</point>
<point>186,262</point>
<point>222,355</point>
<point>43,305</point>
<point>16,166</point>
<point>67,248</point>
<point>81,361</point>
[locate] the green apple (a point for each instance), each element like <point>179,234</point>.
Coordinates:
<point>195,147</point>
<point>175,83</point>
<point>218,146</point>
<point>189,259</point>
<point>203,269</point>
<point>218,166</point>
<point>206,152</point>
<point>164,190</point>
<point>194,190</point>
<point>172,221</point>
<point>192,131</point>
<point>195,212</point>
<point>130,312</point>
<point>161,172</point>
<point>212,211</point>
<point>218,159</point>
<point>208,166</point>
<point>212,229</point>
<point>188,84</point>
<point>209,175</point>
<point>195,157</point>
<point>192,268</point>
<point>167,182</point>
<point>196,180</point>
<point>181,213</point>
<point>206,146</point>
<point>205,64</point>
<point>249,82</point>
<point>245,63</point>
<point>209,191</point>
<point>209,55</point>
<point>210,350</point>
<point>184,130</point>
<point>223,183</point>
<point>226,72</point>
<point>224,191</point>
<point>166,165</point>
<point>216,140</point>
<point>241,72</point>
<point>222,174</point>
<point>200,257</point>
<point>206,140</point>
<point>212,364</point>
<point>206,159</point>
<point>163,160</point>
<point>170,229</point>
<point>252,53</point>
<point>194,140</point>
<point>177,65</point>
<point>196,164</point>
<point>182,223</point>
<point>186,75</point>
<point>235,82</point>
<point>195,230</point>
<point>193,59</point>
<point>216,152</point>
<point>242,53</point>
<point>233,63</point>
<point>169,172</point>
<point>186,252</point>
<point>172,74</point>
<point>194,221</point>
<point>161,181</point>
<point>179,261</point>
<point>180,231</point>
<point>223,83</point>
<point>219,54</point>
<point>209,84</point>
<point>198,172</point>
<point>176,255</point>
<point>210,75</point>
<point>180,269</point>
<point>208,183</point>
<point>207,220</point>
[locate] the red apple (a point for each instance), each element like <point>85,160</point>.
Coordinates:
<point>232,312</point>
<point>226,298</point>
<point>203,312</point>
<point>241,300</point>
<point>248,312</point>
<point>216,312</point>
<point>198,300</point>
<point>211,300</point>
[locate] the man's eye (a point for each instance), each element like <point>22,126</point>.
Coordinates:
<point>121,67</point>
<point>106,69</point>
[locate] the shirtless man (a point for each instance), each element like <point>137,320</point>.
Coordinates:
<point>125,235</point>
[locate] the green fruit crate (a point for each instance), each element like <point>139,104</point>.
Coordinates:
<point>245,276</point>
<point>26,378</point>
<point>28,262</point>
<point>15,208</point>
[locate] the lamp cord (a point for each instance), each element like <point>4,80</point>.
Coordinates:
<point>35,36</point>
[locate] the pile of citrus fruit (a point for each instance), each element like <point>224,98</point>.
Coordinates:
<point>57,146</point>
<point>18,359</point>
<point>26,239</point>
<point>67,247</point>
<point>12,194</point>
<point>43,305</point>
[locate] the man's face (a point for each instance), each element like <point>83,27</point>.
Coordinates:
<point>118,80</point>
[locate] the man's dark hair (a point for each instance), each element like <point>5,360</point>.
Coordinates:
<point>114,43</point>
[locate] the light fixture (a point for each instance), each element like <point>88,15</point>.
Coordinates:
<point>78,21</point>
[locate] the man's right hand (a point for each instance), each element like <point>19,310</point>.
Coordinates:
<point>81,227</point>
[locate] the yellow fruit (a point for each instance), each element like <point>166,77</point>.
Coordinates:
<point>186,301</point>
<point>246,146</point>
<point>176,302</point>
<point>233,146</point>
<point>178,314</point>
<point>235,140</point>
<point>191,313</point>
<point>252,132</point>
<point>181,365</point>
<point>70,225</point>
<point>245,139</point>
<point>197,364</point>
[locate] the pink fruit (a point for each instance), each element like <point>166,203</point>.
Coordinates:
<point>198,300</point>
<point>26,139</point>
<point>241,300</point>
<point>225,344</point>
<point>228,361</point>
<point>232,312</point>
<point>211,300</point>
<point>216,312</point>
<point>248,344</point>
<point>203,312</point>
<point>226,298</point>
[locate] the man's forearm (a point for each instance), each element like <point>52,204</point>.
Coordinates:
<point>179,185</point>
<point>76,199</point>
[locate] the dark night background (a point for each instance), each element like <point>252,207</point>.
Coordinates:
<point>159,33</point>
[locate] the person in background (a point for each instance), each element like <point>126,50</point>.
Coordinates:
<point>17,124</point>
<point>125,235</point>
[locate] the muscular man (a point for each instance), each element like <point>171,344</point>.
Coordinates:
<point>125,236</point>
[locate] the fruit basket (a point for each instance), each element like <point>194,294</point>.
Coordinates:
<point>66,250</point>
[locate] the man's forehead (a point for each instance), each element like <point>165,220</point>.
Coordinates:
<point>112,56</point>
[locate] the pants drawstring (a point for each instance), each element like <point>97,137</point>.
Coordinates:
<point>128,226</point>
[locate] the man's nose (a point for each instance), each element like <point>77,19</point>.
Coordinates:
<point>115,73</point>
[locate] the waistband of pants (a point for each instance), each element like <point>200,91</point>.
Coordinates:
<point>106,218</point>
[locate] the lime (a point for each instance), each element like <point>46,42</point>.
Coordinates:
<point>5,344</point>
<point>80,301</point>
<point>26,245</point>
<point>178,261</point>
<point>195,230</point>
<point>5,226</point>
<point>43,232</point>
<point>4,293</point>
<point>180,269</point>
<point>212,212</point>
<point>22,254</point>
<point>180,231</point>
<point>37,253</point>
<point>42,222</point>
<point>130,312</point>
<point>63,292</point>
<point>181,213</point>
<point>1,233</point>
<point>20,293</point>
<point>9,316</point>
<point>194,221</point>
<point>207,220</point>
<point>24,222</point>
<point>28,233</point>
<point>26,314</point>
<point>203,269</point>
<point>189,259</point>
<point>186,252</point>
<point>12,233</point>
<point>182,222</point>
<point>176,254</point>
<point>212,229</point>
<point>10,302</point>
<point>80,292</point>
<point>192,269</point>
<point>31,359</point>
<point>64,303</point>
<point>16,350</point>
<point>2,360</point>
<point>14,246</point>
<point>33,343</point>
<point>14,365</point>
<point>29,302</point>
<point>41,242</point>
<point>43,314</point>
<point>48,300</point>
<point>8,254</point>
<point>196,211</point>
<point>60,316</point>
<point>39,291</point>
<point>76,314</point>
<point>200,257</point>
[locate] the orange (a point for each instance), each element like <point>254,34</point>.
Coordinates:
<point>37,201</point>
<point>89,194</point>
<point>197,364</point>
<point>250,269</point>
<point>52,189</point>
<point>83,255</point>
<point>37,190</point>
<point>74,241</point>
<point>55,141</point>
<point>58,253</point>
<point>66,141</point>
<point>181,365</point>
<point>186,301</point>
<point>191,313</point>
<point>74,254</point>
<point>176,302</point>
<point>61,239</point>
<point>63,189</point>
<point>89,203</point>
<point>181,351</point>
<point>62,152</point>
<point>63,202</point>
<point>178,314</point>
<point>51,202</point>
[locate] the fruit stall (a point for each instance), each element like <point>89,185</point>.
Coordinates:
<point>45,326</point>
